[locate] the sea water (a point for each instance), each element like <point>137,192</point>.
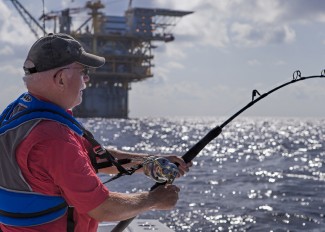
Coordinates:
<point>259,174</point>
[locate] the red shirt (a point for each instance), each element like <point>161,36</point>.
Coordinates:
<point>54,161</point>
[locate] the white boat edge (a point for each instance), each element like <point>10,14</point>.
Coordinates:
<point>137,225</point>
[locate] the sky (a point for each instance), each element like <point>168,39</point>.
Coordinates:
<point>221,52</point>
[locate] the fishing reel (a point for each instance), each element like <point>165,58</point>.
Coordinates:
<point>160,169</point>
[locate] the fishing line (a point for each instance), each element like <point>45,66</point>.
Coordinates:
<point>212,134</point>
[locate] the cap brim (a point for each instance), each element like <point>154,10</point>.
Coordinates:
<point>91,60</point>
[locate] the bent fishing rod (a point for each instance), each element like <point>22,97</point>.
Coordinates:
<point>216,131</point>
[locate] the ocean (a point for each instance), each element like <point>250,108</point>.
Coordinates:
<point>259,174</point>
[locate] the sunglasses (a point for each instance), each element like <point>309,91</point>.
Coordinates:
<point>84,71</point>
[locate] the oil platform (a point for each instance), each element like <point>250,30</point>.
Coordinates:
<point>125,41</point>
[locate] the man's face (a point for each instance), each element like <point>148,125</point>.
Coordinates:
<point>76,76</point>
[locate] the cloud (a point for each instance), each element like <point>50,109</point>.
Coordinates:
<point>11,70</point>
<point>245,23</point>
<point>280,62</point>
<point>175,65</point>
<point>249,36</point>
<point>6,50</point>
<point>5,12</point>
<point>258,12</point>
<point>13,29</point>
<point>172,51</point>
<point>253,62</point>
<point>302,11</point>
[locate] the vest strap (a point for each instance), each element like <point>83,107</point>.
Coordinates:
<point>33,215</point>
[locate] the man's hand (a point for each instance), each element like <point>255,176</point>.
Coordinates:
<point>164,197</point>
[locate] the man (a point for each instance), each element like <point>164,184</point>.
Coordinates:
<point>45,153</point>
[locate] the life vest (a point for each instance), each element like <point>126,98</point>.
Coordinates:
<point>19,205</point>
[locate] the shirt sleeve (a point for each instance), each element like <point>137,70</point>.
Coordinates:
<point>60,165</point>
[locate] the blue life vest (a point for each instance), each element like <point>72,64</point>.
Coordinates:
<point>19,205</point>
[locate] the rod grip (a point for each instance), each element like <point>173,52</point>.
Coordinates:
<point>122,225</point>
<point>195,150</point>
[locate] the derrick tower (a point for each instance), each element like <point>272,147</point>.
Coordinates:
<point>126,43</point>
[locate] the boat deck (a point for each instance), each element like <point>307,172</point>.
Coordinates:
<point>137,225</point>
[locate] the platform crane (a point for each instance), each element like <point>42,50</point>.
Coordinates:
<point>31,22</point>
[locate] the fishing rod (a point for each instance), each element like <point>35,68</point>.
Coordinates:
<point>216,131</point>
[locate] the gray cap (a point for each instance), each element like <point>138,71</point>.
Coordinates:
<point>57,50</point>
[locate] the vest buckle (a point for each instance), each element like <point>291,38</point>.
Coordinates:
<point>99,150</point>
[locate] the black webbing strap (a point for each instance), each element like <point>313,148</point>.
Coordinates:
<point>99,152</point>
<point>109,164</point>
<point>36,214</point>
<point>70,223</point>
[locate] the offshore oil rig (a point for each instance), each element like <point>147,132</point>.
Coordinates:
<point>125,42</point>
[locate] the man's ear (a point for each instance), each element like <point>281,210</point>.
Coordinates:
<point>59,80</point>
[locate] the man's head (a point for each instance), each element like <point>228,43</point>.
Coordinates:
<point>56,69</point>
<point>58,50</point>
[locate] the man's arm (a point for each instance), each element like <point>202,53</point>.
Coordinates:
<point>121,206</point>
<point>140,157</point>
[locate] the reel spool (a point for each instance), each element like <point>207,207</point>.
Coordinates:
<point>160,170</point>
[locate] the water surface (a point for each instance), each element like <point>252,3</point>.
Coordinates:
<point>260,174</point>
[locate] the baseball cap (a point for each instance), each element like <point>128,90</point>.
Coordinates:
<point>57,50</point>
